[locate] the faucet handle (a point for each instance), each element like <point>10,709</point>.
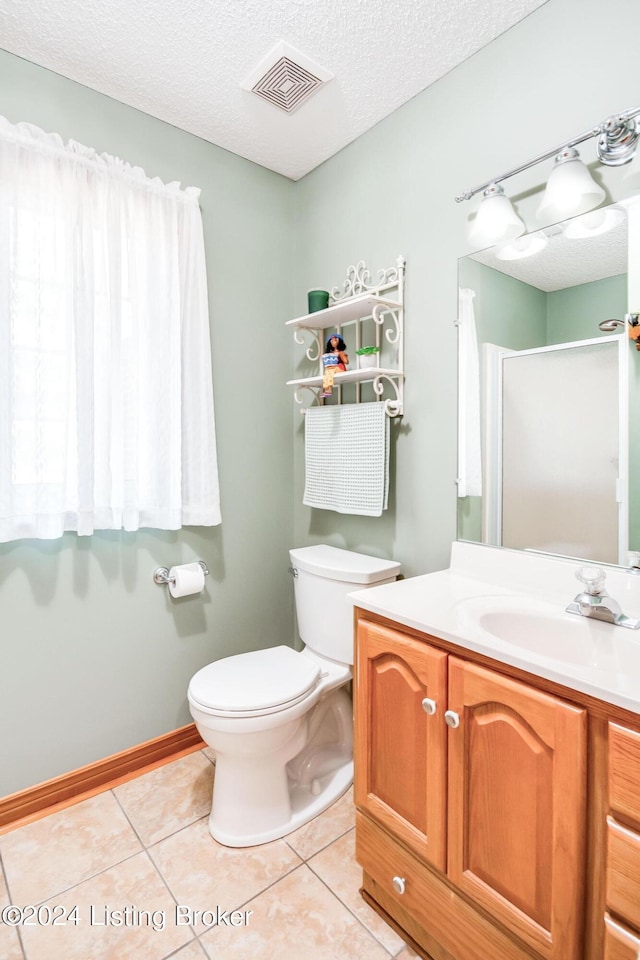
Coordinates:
<point>593,579</point>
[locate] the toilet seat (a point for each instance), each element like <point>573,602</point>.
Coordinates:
<point>254,684</point>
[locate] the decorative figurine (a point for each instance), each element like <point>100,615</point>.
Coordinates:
<point>333,359</point>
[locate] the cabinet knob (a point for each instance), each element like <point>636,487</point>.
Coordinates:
<point>429,706</point>
<point>451,719</point>
<point>398,885</point>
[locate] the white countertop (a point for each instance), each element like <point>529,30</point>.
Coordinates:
<point>485,584</point>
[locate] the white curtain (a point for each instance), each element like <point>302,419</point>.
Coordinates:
<point>106,400</point>
<point>469,444</point>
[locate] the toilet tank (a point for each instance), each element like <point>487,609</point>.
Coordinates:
<point>323,578</point>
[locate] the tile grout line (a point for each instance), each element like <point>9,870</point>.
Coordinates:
<point>176,953</point>
<point>240,906</point>
<point>258,894</point>
<point>99,873</point>
<point>320,849</point>
<point>148,847</point>
<point>127,818</point>
<point>163,879</point>
<point>9,899</point>
<point>186,826</point>
<point>346,905</point>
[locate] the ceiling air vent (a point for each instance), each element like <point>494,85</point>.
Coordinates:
<point>286,78</point>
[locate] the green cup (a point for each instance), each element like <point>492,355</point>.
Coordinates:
<point>318,300</point>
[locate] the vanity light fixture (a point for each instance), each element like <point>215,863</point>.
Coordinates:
<point>496,221</point>
<point>593,224</point>
<point>523,247</point>
<point>571,189</point>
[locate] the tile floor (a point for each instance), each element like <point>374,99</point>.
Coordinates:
<point>124,874</point>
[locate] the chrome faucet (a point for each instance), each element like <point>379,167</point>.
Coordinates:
<point>595,602</point>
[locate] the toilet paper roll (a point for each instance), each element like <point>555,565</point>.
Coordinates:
<point>186,579</point>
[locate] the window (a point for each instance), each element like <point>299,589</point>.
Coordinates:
<point>106,400</point>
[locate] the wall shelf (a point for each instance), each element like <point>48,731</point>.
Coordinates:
<point>354,308</point>
<point>361,301</point>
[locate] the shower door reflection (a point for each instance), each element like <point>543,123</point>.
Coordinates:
<point>562,487</point>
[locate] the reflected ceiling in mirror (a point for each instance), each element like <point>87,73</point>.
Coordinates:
<point>567,259</point>
<point>550,392</point>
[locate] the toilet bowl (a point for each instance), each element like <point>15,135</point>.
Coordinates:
<point>280,721</point>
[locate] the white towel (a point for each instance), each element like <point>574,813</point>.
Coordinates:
<point>347,458</point>
<point>469,457</point>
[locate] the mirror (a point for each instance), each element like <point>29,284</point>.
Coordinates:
<point>544,393</point>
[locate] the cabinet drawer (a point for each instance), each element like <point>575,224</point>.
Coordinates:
<point>619,944</point>
<point>623,872</point>
<point>446,916</point>
<point>624,772</point>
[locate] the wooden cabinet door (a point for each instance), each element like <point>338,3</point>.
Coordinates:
<point>517,807</point>
<point>619,943</point>
<point>623,826</point>
<point>623,872</point>
<point>624,773</point>
<point>400,749</point>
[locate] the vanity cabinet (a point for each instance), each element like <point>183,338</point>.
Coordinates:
<point>471,794</point>
<point>622,885</point>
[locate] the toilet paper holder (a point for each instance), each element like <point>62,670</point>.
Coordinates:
<point>161,574</point>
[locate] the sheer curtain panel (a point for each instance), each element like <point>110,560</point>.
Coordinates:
<point>106,399</point>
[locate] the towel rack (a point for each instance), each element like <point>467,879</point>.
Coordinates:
<point>361,299</point>
<point>161,574</point>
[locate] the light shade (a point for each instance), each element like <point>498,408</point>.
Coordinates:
<point>522,247</point>
<point>496,221</point>
<point>571,190</point>
<point>594,224</point>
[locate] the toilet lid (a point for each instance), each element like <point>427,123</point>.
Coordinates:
<point>254,681</point>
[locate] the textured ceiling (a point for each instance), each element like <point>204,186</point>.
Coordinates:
<point>183,60</point>
<point>567,262</point>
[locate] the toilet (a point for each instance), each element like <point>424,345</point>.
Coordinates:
<point>280,721</point>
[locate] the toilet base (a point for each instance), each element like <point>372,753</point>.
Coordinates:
<point>306,803</point>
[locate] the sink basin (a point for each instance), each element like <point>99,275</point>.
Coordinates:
<point>541,629</point>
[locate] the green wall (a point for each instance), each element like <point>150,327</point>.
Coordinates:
<point>507,311</point>
<point>519,316</point>
<point>574,313</point>
<point>95,656</point>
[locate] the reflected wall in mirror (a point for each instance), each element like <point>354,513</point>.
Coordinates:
<point>545,447</point>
